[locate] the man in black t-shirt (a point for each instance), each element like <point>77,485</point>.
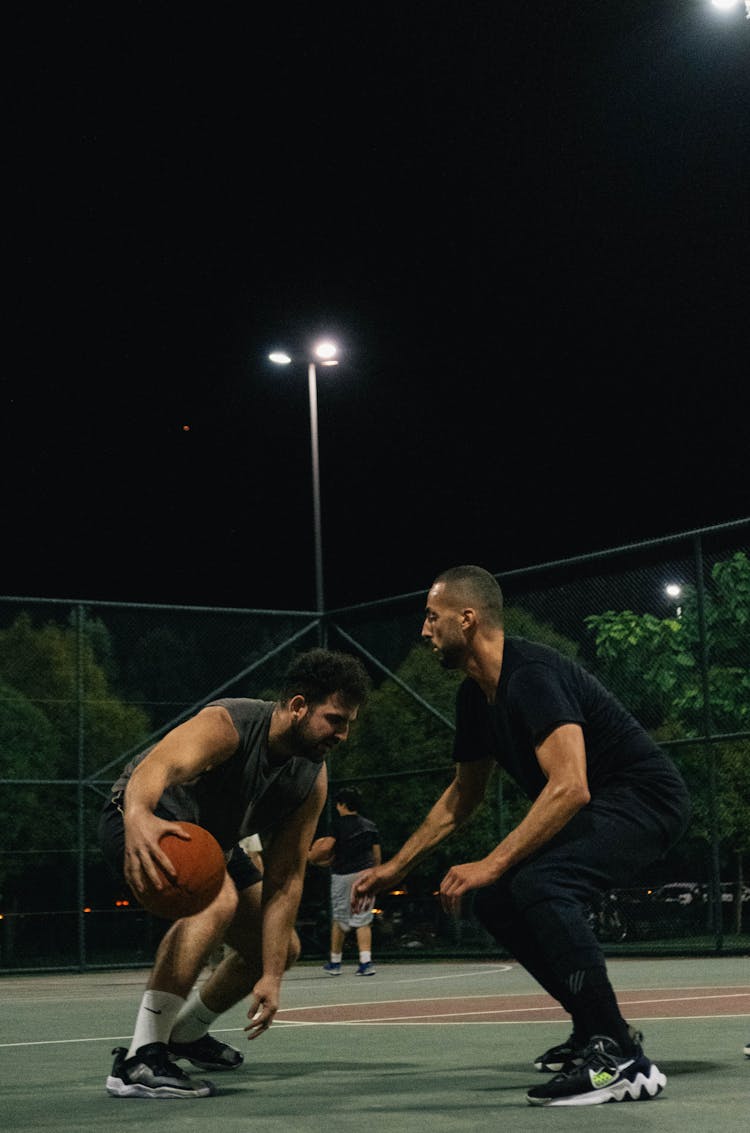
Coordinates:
<point>606,802</point>
<point>352,846</point>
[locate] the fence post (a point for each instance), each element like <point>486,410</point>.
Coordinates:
<point>80,617</point>
<point>709,748</point>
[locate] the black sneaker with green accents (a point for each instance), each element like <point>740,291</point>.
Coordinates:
<point>605,1075</point>
<point>565,1056</point>
<point>561,1057</point>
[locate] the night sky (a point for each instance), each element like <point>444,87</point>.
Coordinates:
<point>526,224</point>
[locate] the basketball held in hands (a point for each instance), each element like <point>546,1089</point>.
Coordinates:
<point>200,869</point>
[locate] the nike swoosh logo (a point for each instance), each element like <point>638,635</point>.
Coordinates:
<point>153,1012</point>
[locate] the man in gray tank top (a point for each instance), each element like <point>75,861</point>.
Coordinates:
<point>238,767</point>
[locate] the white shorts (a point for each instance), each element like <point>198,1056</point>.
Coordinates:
<point>341,901</point>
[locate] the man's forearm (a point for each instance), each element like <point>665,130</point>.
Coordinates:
<point>448,813</point>
<point>144,789</point>
<point>279,916</point>
<point>550,812</point>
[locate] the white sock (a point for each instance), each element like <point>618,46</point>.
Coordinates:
<point>365,957</point>
<point>336,957</point>
<point>155,1019</point>
<point>193,1020</point>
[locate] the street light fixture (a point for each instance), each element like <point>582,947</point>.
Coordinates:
<point>325,352</point>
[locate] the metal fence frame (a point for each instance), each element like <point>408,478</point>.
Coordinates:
<point>326,625</point>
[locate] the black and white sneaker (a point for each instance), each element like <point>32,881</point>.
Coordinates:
<point>605,1075</point>
<point>566,1056</point>
<point>746,1049</point>
<point>149,1074</point>
<point>207,1053</point>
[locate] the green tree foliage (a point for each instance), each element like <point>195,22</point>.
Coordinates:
<point>655,664</point>
<point>46,664</point>
<point>49,732</point>
<point>656,667</point>
<point>29,749</point>
<point>642,660</point>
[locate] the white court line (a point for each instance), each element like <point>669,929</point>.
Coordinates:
<point>67,1042</point>
<point>488,1022</point>
<point>127,988</point>
<point>370,1002</point>
<point>728,993</point>
<point>285,1023</point>
<point>662,998</point>
<point>500,1010</point>
<point>455,975</point>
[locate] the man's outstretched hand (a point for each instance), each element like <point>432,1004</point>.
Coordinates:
<point>370,882</point>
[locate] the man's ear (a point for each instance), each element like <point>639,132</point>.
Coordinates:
<point>468,618</point>
<point>298,706</point>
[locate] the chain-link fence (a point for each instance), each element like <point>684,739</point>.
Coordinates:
<point>84,685</point>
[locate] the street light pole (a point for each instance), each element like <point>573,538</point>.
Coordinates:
<point>313,391</point>
<point>326,351</point>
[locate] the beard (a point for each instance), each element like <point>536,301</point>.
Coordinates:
<point>451,655</point>
<point>308,746</point>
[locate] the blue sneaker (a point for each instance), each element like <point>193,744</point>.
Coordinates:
<point>332,969</point>
<point>365,970</point>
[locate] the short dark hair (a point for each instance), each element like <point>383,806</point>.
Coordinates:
<point>477,587</point>
<point>350,797</point>
<point>320,673</point>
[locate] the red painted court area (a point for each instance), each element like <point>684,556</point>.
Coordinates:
<point>647,1003</point>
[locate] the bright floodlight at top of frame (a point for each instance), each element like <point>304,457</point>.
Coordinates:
<point>279,357</point>
<point>731,5</point>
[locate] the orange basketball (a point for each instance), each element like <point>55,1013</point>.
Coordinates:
<point>200,874</point>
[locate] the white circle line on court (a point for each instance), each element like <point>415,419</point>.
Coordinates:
<point>455,975</point>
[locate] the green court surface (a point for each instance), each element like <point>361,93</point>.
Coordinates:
<point>431,1047</point>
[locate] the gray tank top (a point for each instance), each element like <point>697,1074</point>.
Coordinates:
<point>245,795</point>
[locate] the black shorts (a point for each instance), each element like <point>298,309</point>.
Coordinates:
<point>112,842</point>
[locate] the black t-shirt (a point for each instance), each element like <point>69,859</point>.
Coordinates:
<point>539,690</point>
<point>355,836</point>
